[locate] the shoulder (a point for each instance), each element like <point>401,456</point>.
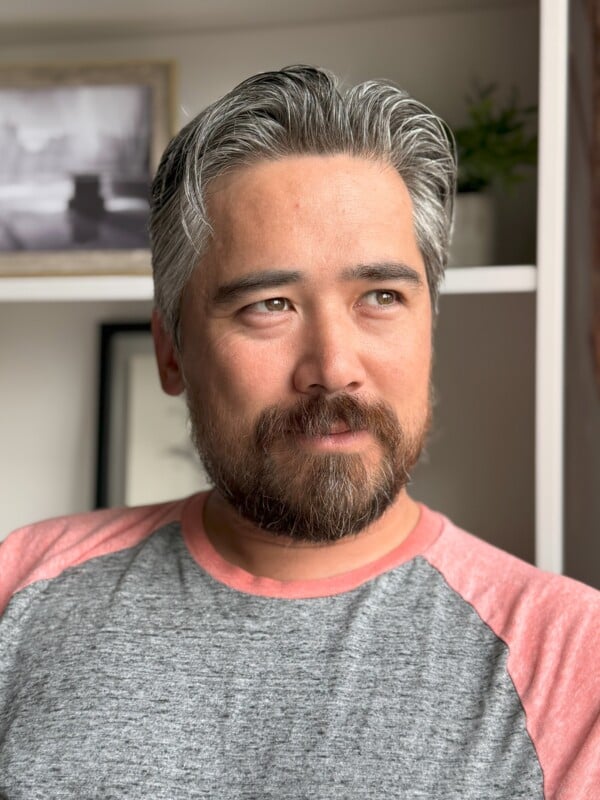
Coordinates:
<point>551,626</point>
<point>499,585</point>
<point>45,549</point>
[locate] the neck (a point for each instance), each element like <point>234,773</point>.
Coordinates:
<point>283,558</point>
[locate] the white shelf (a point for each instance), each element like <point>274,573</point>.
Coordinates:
<point>74,287</point>
<point>487,280</point>
<point>459,280</point>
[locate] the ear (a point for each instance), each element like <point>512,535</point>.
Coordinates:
<point>167,358</point>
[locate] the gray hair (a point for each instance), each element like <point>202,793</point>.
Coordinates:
<point>297,110</point>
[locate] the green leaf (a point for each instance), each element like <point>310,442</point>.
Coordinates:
<point>497,142</point>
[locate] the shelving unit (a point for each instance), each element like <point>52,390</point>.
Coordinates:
<point>551,258</point>
<point>523,296</point>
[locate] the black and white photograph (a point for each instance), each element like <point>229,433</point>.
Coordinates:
<point>76,170</point>
<point>79,149</point>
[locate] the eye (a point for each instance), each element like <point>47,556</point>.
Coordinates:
<point>270,306</point>
<point>381,298</point>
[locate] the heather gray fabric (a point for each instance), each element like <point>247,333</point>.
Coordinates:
<point>138,675</point>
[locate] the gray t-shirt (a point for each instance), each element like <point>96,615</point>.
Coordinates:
<point>136,663</point>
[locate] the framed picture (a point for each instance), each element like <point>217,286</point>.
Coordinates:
<point>145,454</point>
<point>79,145</point>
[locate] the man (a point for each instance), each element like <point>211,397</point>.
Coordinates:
<point>305,630</point>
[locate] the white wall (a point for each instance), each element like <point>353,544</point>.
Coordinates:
<point>48,351</point>
<point>434,56</point>
<point>49,378</point>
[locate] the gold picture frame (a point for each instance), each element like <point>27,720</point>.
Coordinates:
<point>102,128</point>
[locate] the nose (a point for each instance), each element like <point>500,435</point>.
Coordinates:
<point>330,359</point>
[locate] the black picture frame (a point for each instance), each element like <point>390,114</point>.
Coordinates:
<point>134,415</point>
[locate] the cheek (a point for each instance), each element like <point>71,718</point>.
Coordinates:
<point>402,370</point>
<point>243,377</point>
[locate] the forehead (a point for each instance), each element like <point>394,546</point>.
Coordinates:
<point>309,212</point>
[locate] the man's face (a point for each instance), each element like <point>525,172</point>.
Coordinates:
<point>306,344</point>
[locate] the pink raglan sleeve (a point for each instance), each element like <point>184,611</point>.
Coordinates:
<point>45,549</point>
<point>551,625</point>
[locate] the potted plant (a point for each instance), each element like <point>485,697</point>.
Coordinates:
<point>492,149</point>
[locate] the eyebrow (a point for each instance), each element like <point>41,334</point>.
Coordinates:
<point>272,278</point>
<point>267,279</point>
<point>383,271</point>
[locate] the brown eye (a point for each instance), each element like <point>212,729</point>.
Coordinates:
<point>274,304</point>
<point>381,297</point>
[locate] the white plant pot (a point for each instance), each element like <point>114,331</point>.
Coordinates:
<point>474,231</point>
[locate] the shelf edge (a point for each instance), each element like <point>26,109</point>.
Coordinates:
<point>488,280</point>
<point>76,288</point>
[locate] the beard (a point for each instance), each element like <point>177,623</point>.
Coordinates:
<point>281,487</point>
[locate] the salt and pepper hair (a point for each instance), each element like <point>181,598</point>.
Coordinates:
<point>299,110</point>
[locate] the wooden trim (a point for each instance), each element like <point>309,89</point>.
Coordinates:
<point>594,17</point>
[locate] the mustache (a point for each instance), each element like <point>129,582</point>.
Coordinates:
<point>315,416</point>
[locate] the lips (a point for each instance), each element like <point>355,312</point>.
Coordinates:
<point>334,429</point>
<point>338,427</point>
